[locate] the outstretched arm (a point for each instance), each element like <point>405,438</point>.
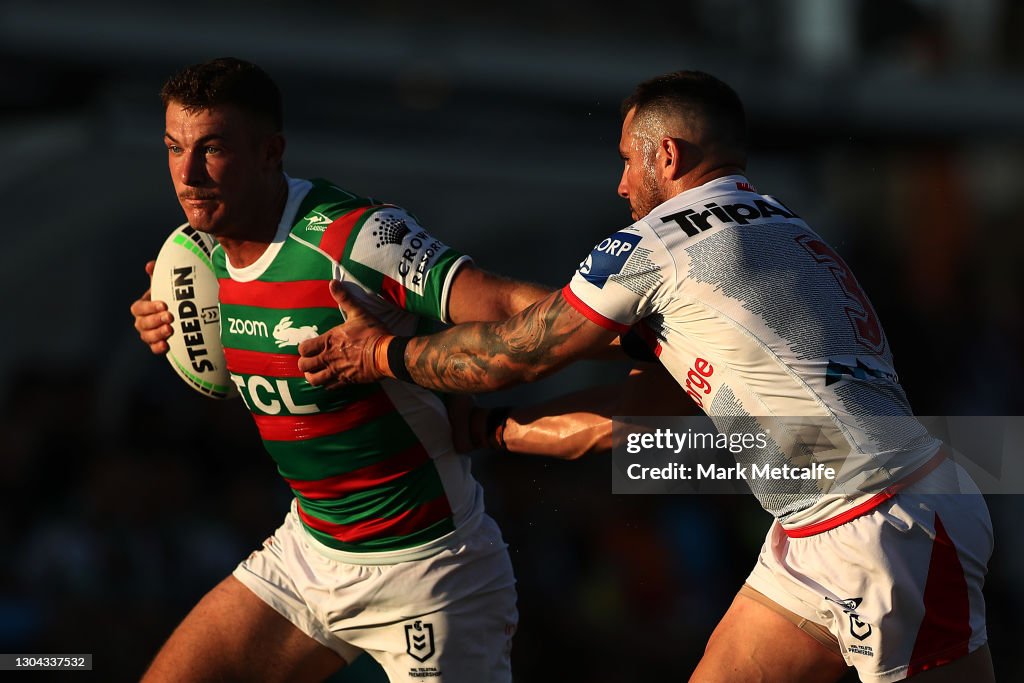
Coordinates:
<point>489,356</point>
<point>469,358</point>
<point>572,425</point>
<point>479,295</point>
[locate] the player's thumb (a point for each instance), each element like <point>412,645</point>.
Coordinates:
<point>346,302</point>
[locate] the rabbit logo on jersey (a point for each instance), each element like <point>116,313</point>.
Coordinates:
<point>608,258</point>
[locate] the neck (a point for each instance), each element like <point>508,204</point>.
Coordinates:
<point>244,251</point>
<point>700,176</point>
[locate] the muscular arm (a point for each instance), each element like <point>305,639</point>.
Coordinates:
<point>580,423</point>
<point>466,358</point>
<point>477,295</point>
<point>490,356</point>
<point>480,296</point>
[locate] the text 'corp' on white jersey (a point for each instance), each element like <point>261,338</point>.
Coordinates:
<point>761,322</point>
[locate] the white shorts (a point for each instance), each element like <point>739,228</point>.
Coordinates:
<point>448,618</point>
<point>900,586</point>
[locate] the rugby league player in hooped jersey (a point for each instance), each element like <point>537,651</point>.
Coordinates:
<point>387,548</point>
<point>757,318</point>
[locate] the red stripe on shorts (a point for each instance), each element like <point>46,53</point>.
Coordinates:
<point>945,631</point>
<point>870,504</point>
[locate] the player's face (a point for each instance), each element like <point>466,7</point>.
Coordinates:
<point>638,184</point>
<point>221,164</point>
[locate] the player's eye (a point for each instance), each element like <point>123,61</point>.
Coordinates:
<point>174,149</point>
<point>209,150</point>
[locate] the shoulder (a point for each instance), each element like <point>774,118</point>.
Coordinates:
<point>330,216</point>
<point>637,247</point>
<point>326,203</point>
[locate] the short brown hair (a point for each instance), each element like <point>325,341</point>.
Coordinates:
<point>226,80</point>
<point>690,94</point>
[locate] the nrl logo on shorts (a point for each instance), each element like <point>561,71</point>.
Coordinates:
<point>419,640</point>
<point>859,628</point>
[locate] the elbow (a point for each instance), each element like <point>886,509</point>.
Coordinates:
<point>574,447</point>
<point>575,454</point>
<point>600,441</point>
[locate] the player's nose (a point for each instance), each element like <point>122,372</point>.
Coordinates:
<point>193,169</point>
<point>623,188</point>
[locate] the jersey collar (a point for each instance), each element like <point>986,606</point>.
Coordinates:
<point>297,191</point>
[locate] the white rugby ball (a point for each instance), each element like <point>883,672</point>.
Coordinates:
<point>183,278</point>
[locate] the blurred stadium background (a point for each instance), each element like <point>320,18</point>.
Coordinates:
<point>896,127</point>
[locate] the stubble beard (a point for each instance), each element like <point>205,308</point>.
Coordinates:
<point>648,198</point>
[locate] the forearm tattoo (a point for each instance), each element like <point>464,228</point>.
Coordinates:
<point>488,356</point>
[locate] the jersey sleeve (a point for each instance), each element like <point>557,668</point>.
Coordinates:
<point>393,255</point>
<point>617,284</point>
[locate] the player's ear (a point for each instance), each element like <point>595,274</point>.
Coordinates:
<point>672,155</point>
<point>274,149</point>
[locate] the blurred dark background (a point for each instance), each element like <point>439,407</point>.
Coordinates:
<point>895,127</point>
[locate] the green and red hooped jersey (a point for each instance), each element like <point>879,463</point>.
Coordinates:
<point>371,466</point>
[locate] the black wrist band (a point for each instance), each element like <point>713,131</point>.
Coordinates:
<point>396,359</point>
<point>495,429</point>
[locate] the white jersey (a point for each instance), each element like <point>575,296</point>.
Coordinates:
<point>761,322</point>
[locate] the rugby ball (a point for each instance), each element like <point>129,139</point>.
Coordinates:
<point>183,278</point>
